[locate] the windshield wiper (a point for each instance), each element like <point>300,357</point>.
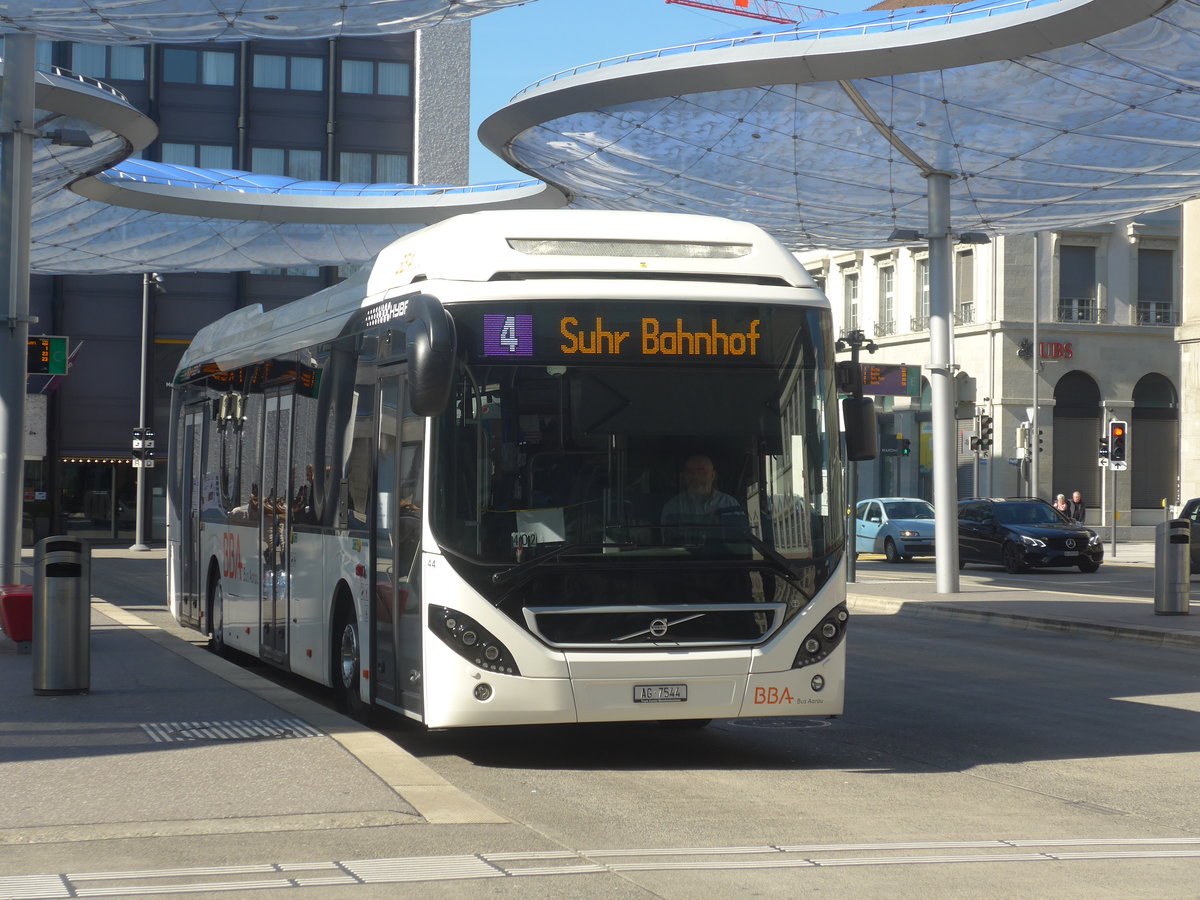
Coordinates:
<point>777,559</point>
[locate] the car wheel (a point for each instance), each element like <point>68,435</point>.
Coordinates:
<point>890,551</point>
<point>1088,565</point>
<point>1014,559</point>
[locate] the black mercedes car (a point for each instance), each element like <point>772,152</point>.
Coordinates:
<point>1023,532</point>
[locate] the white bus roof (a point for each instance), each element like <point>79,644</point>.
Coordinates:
<point>507,245</point>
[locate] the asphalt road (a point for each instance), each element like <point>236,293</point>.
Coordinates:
<point>953,733</point>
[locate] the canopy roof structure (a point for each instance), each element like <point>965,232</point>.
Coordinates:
<point>139,216</point>
<point>185,21</point>
<point>1045,113</point>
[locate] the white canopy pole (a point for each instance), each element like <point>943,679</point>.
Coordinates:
<point>16,184</point>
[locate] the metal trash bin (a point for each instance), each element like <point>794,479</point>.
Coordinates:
<point>1172,567</point>
<point>62,616</point>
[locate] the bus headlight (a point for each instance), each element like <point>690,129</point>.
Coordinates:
<point>472,642</point>
<point>822,640</point>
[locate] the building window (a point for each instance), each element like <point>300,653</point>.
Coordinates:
<point>302,164</point>
<point>291,271</point>
<point>885,322</point>
<point>389,79</point>
<point>1156,288</point>
<point>43,53</point>
<point>111,63</point>
<point>374,168</point>
<point>851,288</point>
<point>183,66</point>
<point>300,73</point>
<point>1077,285</point>
<point>964,287</point>
<point>206,156</point>
<point>920,320</point>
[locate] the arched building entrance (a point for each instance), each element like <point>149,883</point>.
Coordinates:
<point>1078,420</point>
<point>1154,443</point>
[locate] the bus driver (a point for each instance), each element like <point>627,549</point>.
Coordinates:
<point>700,508</point>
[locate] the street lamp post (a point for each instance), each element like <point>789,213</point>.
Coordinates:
<point>151,281</point>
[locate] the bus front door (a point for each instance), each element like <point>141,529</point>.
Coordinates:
<point>189,551</point>
<point>276,527</point>
<point>396,604</point>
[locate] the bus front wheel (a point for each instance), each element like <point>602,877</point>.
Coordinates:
<point>216,618</point>
<point>347,662</point>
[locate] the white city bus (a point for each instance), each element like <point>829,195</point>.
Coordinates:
<point>439,486</point>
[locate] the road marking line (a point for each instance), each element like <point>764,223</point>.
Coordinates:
<point>663,859</point>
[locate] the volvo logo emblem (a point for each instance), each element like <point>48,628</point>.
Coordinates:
<point>658,627</point>
<point>1070,543</point>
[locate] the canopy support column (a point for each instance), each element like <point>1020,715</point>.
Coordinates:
<point>941,380</point>
<point>16,209</point>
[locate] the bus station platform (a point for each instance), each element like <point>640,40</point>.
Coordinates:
<point>173,742</point>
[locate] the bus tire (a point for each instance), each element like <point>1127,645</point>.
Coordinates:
<point>216,612</point>
<point>346,661</point>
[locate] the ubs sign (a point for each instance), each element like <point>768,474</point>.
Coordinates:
<point>1056,349</point>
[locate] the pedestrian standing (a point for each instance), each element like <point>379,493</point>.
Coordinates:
<point>1078,509</point>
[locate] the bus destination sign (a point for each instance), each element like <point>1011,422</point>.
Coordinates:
<point>894,381</point>
<point>583,337</point>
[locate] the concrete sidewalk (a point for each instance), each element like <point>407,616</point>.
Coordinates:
<point>166,722</point>
<point>1086,607</point>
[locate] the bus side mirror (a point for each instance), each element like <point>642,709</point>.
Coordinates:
<point>431,347</point>
<point>858,417</point>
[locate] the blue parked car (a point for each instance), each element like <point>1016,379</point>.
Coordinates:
<point>898,527</point>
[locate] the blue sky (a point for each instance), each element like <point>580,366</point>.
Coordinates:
<point>514,47</point>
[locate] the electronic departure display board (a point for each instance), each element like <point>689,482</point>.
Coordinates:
<point>895,381</point>
<point>598,332</point>
<point>46,355</point>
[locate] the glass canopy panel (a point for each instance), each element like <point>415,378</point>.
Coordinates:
<point>1101,129</point>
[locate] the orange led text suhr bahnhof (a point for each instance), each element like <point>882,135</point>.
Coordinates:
<point>657,340</point>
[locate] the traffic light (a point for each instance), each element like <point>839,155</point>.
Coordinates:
<point>905,446</point>
<point>143,448</point>
<point>1040,447</point>
<point>1104,451</point>
<point>985,432</point>
<point>1116,441</point>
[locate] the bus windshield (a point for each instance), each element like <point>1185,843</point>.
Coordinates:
<point>627,458</point>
